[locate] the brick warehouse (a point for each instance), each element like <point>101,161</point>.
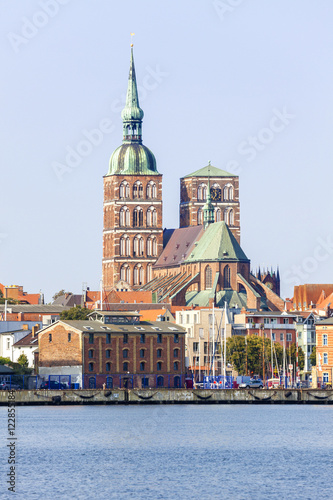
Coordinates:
<point>115,349</point>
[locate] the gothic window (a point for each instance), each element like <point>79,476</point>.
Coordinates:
<point>200,216</point>
<point>149,273</point>
<point>208,278</point>
<point>124,217</point>
<point>151,246</point>
<point>226,215</point>
<point>231,217</point>
<point>125,273</point>
<point>138,245</point>
<point>151,217</point>
<point>228,192</point>
<point>226,277</point>
<point>151,190</point>
<point>138,217</point>
<point>202,192</point>
<point>217,215</point>
<point>124,246</point>
<point>138,276</point>
<point>137,190</point>
<point>124,190</point>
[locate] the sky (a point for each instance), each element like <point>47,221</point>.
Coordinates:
<point>244,84</point>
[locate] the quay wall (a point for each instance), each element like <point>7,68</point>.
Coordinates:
<point>168,396</point>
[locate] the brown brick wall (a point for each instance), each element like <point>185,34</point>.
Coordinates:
<point>59,351</point>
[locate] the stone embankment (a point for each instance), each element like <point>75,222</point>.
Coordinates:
<point>169,396</point>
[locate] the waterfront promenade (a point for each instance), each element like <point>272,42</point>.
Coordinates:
<point>168,396</point>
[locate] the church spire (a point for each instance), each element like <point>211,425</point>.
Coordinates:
<point>132,114</point>
<point>208,209</point>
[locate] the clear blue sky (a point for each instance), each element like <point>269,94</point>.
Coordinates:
<point>244,84</point>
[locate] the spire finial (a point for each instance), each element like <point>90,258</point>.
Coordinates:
<point>132,34</point>
<point>132,114</point>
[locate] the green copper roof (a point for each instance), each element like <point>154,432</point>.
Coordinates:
<point>210,171</point>
<point>132,110</point>
<point>217,243</point>
<point>132,157</point>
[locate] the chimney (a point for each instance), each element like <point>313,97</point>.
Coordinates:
<point>34,330</point>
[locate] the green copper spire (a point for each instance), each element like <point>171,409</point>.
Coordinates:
<point>132,157</point>
<point>208,209</point>
<point>132,114</point>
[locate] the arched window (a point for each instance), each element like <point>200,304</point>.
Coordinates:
<point>159,366</point>
<point>200,216</point>
<point>151,217</point>
<point>149,272</point>
<point>124,217</point>
<point>142,366</point>
<point>125,366</point>
<point>226,216</point>
<point>151,246</point>
<point>124,190</point>
<point>108,367</point>
<point>231,193</point>
<point>125,273</point>
<point>137,217</point>
<point>176,366</point>
<point>217,215</point>
<point>109,382</point>
<point>137,190</point>
<point>226,277</point>
<point>208,278</point>
<point>159,353</point>
<point>91,367</point>
<point>92,383</point>
<point>231,217</point>
<point>175,353</point>
<point>176,381</point>
<point>138,275</point>
<point>151,190</point>
<point>138,246</point>
<point>124,246</point>
<point>160,381</point>
<point>200,192</point>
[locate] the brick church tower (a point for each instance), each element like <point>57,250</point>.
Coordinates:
<point>132,229</point>
<point>224,193</point>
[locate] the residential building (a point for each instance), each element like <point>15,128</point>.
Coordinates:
<point>115,349</point>
<point>11,333</point>
<point>16,292</point>
<point>306,332</point>
<point>323,373</point>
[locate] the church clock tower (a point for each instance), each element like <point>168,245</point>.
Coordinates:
<point>132,229</point>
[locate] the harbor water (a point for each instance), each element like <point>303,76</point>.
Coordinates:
<point>171,452</point>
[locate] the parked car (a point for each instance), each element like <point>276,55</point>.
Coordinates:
<point>253,383</point>
<point>53,384</point>
<point>7,386</point>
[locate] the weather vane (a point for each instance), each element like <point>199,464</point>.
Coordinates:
<point>132,34</point>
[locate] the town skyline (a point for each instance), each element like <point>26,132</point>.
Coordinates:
<point>262,114</point>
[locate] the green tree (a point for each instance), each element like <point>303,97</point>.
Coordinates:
<point>4,361</point>
<point>59,294</point>
<point>75,313</point>
<point>23,360</point>
<point>291,356</point>
<point>313,357</point>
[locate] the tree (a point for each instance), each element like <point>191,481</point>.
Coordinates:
<point>291,354</point>
<point>23,360</point>
<point>4,361</point>
<point>75,313</point>
<point>313,357</point>
<point>59,294</point>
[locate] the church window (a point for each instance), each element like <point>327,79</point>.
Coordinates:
<point>226,277</point>
<point>138,276</point>
<point>138,246</point>
<point>217,215</point>
<point>151,217</point>
<point>200,216</point>
<point>231,217</point>
<point>208,277</point>
<point>228,192</point>
<point>137,190</point>
<point>151,246</point>
<point>149,272</point>
<point>151,190</point>
<point>124,190</point>
<point>124,246</point>
<point>125,273</point>
<point>124,217</point>
<point>138,217</point>
<point>202,192</point>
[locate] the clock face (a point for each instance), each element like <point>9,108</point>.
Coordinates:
<point>215,194</point>
<point>269,285</point>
